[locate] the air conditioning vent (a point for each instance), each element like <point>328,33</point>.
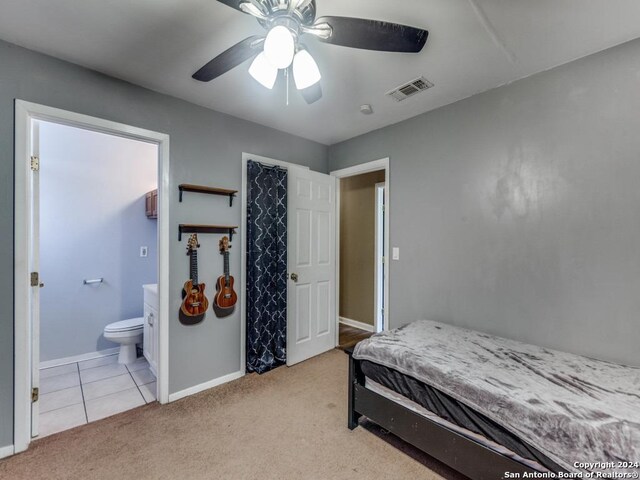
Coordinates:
<point>409,89</point>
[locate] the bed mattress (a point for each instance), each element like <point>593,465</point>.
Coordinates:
<point>575,411</point>
<point>438,406</point>
<point>480,439</point>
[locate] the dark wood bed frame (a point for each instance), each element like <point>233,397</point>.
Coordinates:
<point>457,451</point>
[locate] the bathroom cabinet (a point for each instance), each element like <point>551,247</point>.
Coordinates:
<point>150,338</point>
<point>151,204</point>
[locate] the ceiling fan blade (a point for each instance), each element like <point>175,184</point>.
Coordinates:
<point>233,3</point>
<point>369,34</point>
<point>293,4</point>
<point>312,94</point>
<point>251,9</point>
<point>230,59</point>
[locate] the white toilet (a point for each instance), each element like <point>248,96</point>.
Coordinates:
<point>127,333</point>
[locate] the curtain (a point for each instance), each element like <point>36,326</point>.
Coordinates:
<point>266,267</point>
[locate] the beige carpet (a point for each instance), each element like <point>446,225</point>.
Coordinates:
<point>287,424</point>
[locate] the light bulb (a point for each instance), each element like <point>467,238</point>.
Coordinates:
<point>305,70</point>
<point>279,47</point>
<point>263,71</point>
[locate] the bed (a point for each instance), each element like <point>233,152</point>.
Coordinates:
<point>495,408</point>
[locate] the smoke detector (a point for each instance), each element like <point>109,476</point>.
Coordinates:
<point>366,109</point>
<point>409,89</point>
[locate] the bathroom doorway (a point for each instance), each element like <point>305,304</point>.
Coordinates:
<point>93,228</point>
<point>97,250</point>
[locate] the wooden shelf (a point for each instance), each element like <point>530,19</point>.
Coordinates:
<point>185,187</point>
<point>189,228</point>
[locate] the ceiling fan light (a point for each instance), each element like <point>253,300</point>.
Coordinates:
<point>279,46</point>
<point>305,70</point>
<point>263,71</point>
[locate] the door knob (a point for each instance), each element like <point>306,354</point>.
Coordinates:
<point>294,277</point>
<point>41,285</point>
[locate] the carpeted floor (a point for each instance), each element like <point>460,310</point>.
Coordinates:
<point>287,424</point>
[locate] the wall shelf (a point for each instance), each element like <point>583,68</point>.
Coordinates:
<point>189,228</point>
<point>185,187</point>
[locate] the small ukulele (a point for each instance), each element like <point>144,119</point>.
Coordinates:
<point>194,303</point>
<point>226,297</point>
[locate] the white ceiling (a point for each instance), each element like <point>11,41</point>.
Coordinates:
<point>474,45</point>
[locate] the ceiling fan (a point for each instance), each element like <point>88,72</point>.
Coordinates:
<point>286,22</point>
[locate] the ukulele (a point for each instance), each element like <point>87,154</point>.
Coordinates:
<point>226,297</point>
<point>194,302</point>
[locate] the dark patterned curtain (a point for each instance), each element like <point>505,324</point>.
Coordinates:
<point>266,267</point>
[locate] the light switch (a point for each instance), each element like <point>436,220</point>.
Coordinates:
<point>396,253</point>
<point>144,251</point>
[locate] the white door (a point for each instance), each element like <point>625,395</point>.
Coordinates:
<point>34,266</point>
<point>311,307</point>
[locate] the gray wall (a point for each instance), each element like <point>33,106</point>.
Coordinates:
<point>206,148</point>
<point>517,211</point>
<point>92,225</point>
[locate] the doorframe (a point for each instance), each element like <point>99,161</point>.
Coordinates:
<point>381,263</point>
<point>367,167</point>
<point>243,247</point>
<point>25,113</point>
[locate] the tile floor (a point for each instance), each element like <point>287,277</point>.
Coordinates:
<point>79,393</point>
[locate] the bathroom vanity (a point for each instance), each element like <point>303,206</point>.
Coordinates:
<point>150,338</point>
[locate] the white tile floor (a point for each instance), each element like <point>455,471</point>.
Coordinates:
<point>79,393</point>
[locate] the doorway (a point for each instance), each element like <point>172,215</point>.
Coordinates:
<point>66,367</point>
<point>362,252</point>
<point>97,248</point>
<point>310,264</point>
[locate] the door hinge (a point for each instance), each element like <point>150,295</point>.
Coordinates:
<point>35,279</point>
<point>384,260</point>
<point>35,163</point>
<point>35,394</point>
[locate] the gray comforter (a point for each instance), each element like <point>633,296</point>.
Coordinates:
<point>570,408</point>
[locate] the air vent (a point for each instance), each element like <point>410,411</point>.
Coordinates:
<point>409,89</point>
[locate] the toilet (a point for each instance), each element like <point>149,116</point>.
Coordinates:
<point>127,333</point>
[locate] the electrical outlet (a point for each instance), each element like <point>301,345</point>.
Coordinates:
<point>144,251</point>
<point>396,253</point>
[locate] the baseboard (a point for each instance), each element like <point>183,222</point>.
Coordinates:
<point>356,324</point>
<point>6,451</point>
<point>205,386</point>
<point>79,358</point>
